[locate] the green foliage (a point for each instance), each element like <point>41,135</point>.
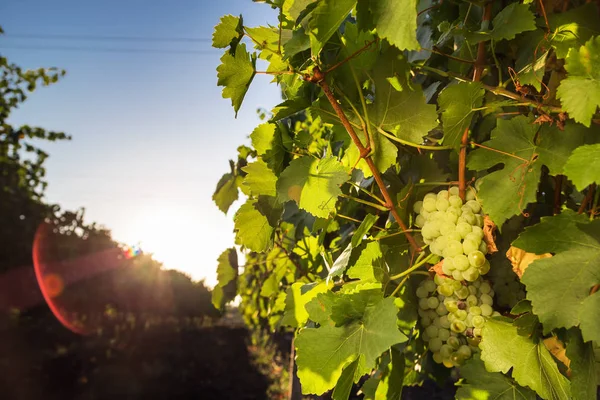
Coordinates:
<point>532,364</point>
<point>483,384</point>
<point>235,75</point>
<point>583,166</point>
<point>580,92</point>
<point>572,272</point>
<point>383,102</point>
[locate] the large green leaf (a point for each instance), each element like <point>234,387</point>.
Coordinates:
<point>227,32</point>
<point>396,21</point>
<point>226,192</point>
<point>227,271</point>
<point>399,106</point>
<point>583,167</point>
<point>482,384</point>
<point>522,148</point>
<point>503,349</point>
<point>271,144</point>
<point>252,228</point>
<point>322,353</point>
<point>313,184</point>
<point>235,73</point>
<point>512,20</point>
<point>583,366</point>
<point>559,286</point>
<point>579,94</point>
<point>326,19</point>
<point>573,28</point>
<point>298,295</point>
<point>370,264</point>
<point>260,179</point>
<point>457,104</point>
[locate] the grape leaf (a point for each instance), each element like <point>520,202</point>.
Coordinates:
<point>340,264</point>
<point>327,18</point>
<point>457,103</point>
<point>319,308</point>
<point>401,110</point>
<point>532,364</point>
<point>279,266</point>
<point>512,20</point>
<point>235,73</point>
<point>271,144</point>
<point>522,148</point>
<point>289,107</point>
<point>579,94</point>
<point>384,155</point>
<point>260,179</point>
<point>573,28</point>
<point>226,192</point>
<point>228,32</point>
<point>396,21</point>
<point>583,167</point>
<point>252,228</point>
<point>482,384</point>
<point>370,264</point>
<point>583,366</point>
<point>227,271</point>
<point>313,184</point>
<point>322,353</point>
<point>299,294</point>
<point>293,8</point>
<point>559,287</point>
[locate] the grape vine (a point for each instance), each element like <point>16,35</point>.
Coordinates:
<point>425,194</point>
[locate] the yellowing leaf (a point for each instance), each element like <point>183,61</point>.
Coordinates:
<point>520,259</point>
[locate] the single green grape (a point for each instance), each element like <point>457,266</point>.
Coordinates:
<point>429,204</point>
<point>486,299</point>
<point>420,221</point>
<point>442,204</point>
<point>444,322</point>
<point>461,262</point>
<point>477,231</point>
<point>461,314</point>
<point>441,310</point>
<point>435,344</point>
<point>469,218</point>
<point>485,268</point>
<point>453,191</point>
<point>447,228</point>
<point>452,216</point>
<point>470,245</point>
<point>461,293</point>
<point>425,321</point>
<point>470,194</point>
<point>455,201</point>
<point>476,258</point>
<point>472,288</point>
<point>458,326</point>
<point>474,205</point>
<point>418,206</point>
<point>485,288</point>
<point>443,194</point>
<point>463,228</point>
<point>444,333</point>
<point>446,350</point>
<point>430,286</point>
<point>422,292</point>
<point>437,358</point>
<point>478,321</point>
<point>433,302</point>
<point>475,310</point>
<point>472,300</point>
<point>486,310</point>
<point>453,248</point>
<point>477,332</point>
<point>432,331</point>
<point>453,342</point>
<point>451,305</point>
<point>445,289</point>
<point>456,274</point>
<point>470,274</point>
<point>464,352</point>
<point>483,247</point>
<point>423,304</point>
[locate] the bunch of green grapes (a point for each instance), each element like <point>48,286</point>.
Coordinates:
<point>452,315</point>
<point>453,230</point>
<point>509,290</point>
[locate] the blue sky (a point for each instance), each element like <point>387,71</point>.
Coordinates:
<point>151,133</point>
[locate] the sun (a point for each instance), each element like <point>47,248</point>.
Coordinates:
<point>170,234</point>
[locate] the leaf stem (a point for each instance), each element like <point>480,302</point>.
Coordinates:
<point>358,221</point>
<point>366,202</point>
<point>396,234</point>
<point>351,56</point>
<point>414,267</point>
<point>588,197</point>
<point>379,200</point>
<point>402,282</point>
<point>411,144</point>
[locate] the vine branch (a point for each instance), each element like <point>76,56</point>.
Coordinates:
<point>318,77</point>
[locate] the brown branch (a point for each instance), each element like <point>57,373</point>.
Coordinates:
<point>477,72</point>
<point>351,56</point>
<point>586,199</point>
<point>543,9</point>
<point>318,77</point>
